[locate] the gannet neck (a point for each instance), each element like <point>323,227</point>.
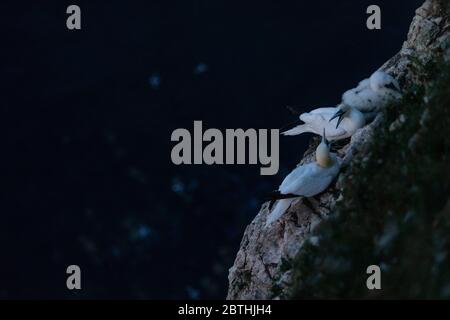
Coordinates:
<point>323,157</point>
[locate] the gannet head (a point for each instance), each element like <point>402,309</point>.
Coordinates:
<point>380,80</point>
<point>343,110</point>
<point>323,157</point>
<point>356,117</point>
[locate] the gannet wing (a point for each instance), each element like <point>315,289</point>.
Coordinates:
<point>314,185</point>
<point>309,181</point>
<point>290,183</point>
<point>316,116</point>
<point>316,122</point>
<point>312,117</point>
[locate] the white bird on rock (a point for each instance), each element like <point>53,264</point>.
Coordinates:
<point>372,94</point>
<point>307,180</point>
<point>348,121</point>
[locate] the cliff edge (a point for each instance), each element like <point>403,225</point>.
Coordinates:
<point>270,262</point>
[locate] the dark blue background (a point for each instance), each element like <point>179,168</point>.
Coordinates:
<point>86,173</point>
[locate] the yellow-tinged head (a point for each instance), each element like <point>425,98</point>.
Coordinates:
<point>323,157</point>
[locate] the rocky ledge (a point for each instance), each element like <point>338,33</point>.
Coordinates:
<point>262,269</point>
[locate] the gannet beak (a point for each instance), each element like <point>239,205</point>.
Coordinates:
<point>339,114</point>
<point>324,138</point>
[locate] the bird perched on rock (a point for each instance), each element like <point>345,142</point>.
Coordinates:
<point>306,180</point>
<point>372,94</point>
<point>339,122</point>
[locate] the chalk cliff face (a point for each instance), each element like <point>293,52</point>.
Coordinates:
<point>263,269</point>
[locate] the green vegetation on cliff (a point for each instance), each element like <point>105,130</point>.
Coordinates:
<point>395,210</point>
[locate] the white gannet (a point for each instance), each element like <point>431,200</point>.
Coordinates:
<point>373,93</point>
<point>307,180</point>
<point>349,120</point>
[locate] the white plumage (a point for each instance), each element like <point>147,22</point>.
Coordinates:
<point>317,120</point>
<point>307,180</point>
<point>357,105</point>
<point>373,94</point>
